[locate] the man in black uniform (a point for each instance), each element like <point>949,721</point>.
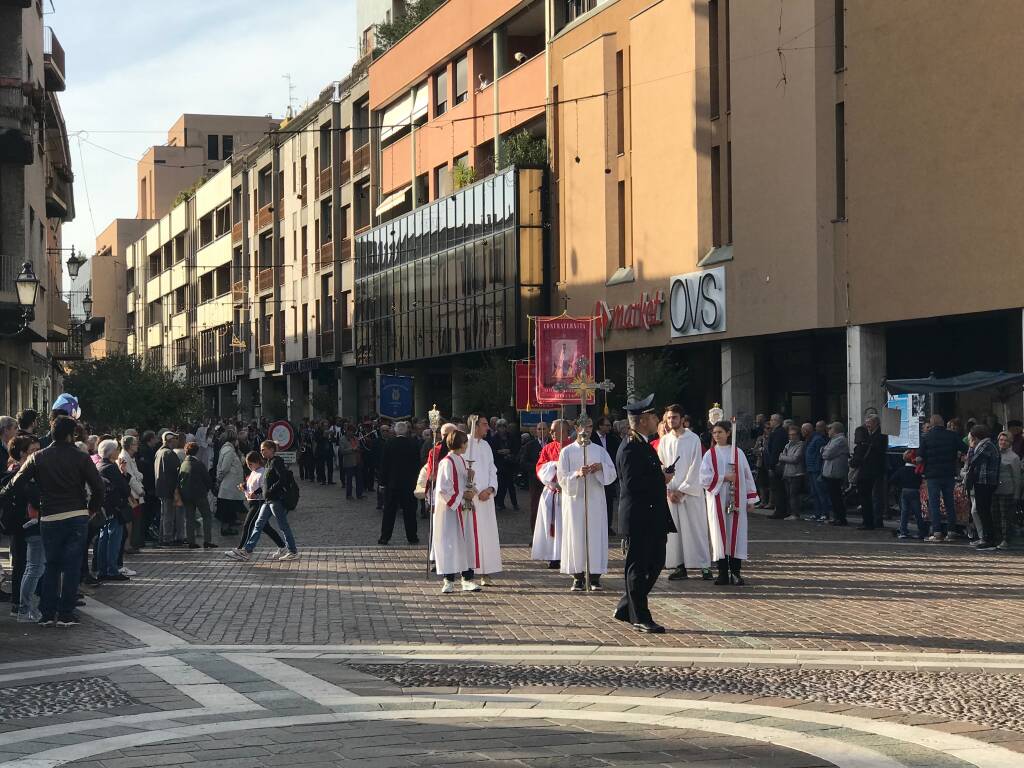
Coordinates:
<point>643,514</point>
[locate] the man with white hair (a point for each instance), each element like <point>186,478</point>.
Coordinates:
<point>547,532</point>
<point>398,473</point>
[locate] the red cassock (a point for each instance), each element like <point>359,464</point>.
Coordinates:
<point>548,454</point>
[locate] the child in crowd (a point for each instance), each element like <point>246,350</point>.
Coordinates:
<point>908,479</point>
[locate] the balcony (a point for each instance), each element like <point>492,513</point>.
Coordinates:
<point>265,216</point>
<point>346,172</point>
<point>323,182</point>
<point>73,348</point>
<point>266,355</point>
<point>16,120</point>
<point>15,3</point>
<point>325,256</point>
<point>58,192</point>
<point>264,280</point>
<point>53,62</point>
<point>327,344</point>
<point>236,233</point>
<point>346,249</point>
<point>361,160</point>
<point>238,294</point>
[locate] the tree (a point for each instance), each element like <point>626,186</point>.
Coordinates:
<point>523,149</point>
<point>661,373</point>
<point>488,386</point>
<point>415,12</point>
<point>121,391</point>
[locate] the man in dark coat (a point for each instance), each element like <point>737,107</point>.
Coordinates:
<point>529,454</point>
<point>644,516</point>
<point>399,470</point>
<point>777,439</point>
<point>605,437</point>
<point>165,474</point>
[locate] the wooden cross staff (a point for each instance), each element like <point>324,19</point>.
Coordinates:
<point>584,385</point>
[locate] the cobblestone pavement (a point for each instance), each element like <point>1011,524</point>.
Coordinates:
<point>846,651</point>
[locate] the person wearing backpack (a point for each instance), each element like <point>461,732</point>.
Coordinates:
<point>279,492</point>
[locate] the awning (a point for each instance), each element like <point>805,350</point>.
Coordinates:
<point>404,112</point>
<point>1003,385</point>
<point>420,103</point>
<point>393,200</point>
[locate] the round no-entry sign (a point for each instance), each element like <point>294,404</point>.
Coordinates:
<point>281,432</point>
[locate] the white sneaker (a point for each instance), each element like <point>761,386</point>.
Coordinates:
<point>794,517</point>
<point>468,585</point>
<point>279,554</point>
<point>448,588</point>
<point>126,571</point>
<point>288,556</point>
<point>237,554</point>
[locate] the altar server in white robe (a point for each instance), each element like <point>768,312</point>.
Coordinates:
<point>584,509</point>
<point>547,532</point>
<point>454,536</point>
<point>680,453</point>
<point>485,479</point>
<point>730,493</point>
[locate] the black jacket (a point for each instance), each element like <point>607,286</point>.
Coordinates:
<point>115,498</point>
<point>144,460</point>
<point>400,466</point>
<point>906,477</point>
<point>277,472</point>
<point>774,446</point>
<point>940,450</point>
<point>529,455</point>
<point>609,442</point>
<point>643,504</point>
<point>62,473</point>
<point>14,515</point>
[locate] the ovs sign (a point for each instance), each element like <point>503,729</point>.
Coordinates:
<point>696,303</point>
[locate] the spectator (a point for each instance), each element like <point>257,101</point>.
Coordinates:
<point>136,497</point>
<point>506,450</point>
<point>27,421</point>
<point>399,470</point>
<point>166,467</point>
<point>1016,429</point>
<point>194,488</point>
<point>145,461</point>
<point>777,439</point>
<point>872,474</point>
<point>349,452</point>
<point>793,470</point>
<point>940,453</point>
<point>20,518</point>
<point>8,429</point>
<point>529,454</point>
<point>230,475</point>
<point>836,469</point>
<point>907,479</point>
<point>983,465</point>
<point>323,451</point>
<point>115,511</point>
<point>762,478</point>
<point>607,438</point>
<point>1008,493</point>
<point>62,474</point>
<point>816,439</point>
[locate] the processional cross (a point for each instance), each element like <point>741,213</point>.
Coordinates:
<point>584,385</point>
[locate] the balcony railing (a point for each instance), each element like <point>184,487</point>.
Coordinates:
<point>323,182</point>
<point>327,344</point>
<point>325,256</point>
<point>73,348</point>
<point>236,233</point>
<point>238,294</point>
<point>265,216</point>
<point>264,280</point>
<point>346,249</point>
<point>58,192</point>
<point>361,160</point>
<point>346,172</point>
<point>53,61</point>
<point>16,116</point>
<point>267,355</point>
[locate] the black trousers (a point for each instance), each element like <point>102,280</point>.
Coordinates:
<point>250,523</point>
<point>983,504</point>
<point>307,466</point>
<point>19,553</point>
<point>835,495</point>
<point>645,560</point>
<point>506,485</point>
<point>866,491</point>
<point>611,493</point>
<point>392,502</point>
<point>780,498</point>
<point>325,468</point>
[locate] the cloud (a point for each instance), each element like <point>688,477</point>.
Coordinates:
<point>146,63</point>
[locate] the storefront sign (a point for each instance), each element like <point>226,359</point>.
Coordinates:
<point>300,366</point>
<point>565,346</point>
<point>696,303</point>
<point>644,314</point>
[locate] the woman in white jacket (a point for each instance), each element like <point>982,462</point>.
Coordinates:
<point>230,500</point>
<point>136,493</point>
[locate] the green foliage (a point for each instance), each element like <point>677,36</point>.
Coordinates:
<point>523,149</point>
<point>489,386</point>
<point>662,373</point>
<point>415,12</point>
<point>463,175</point>
<point>121,391</point>
<point>185,194</point>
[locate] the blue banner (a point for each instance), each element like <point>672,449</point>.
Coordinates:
<point>396,396</point>
<point>533,418</point>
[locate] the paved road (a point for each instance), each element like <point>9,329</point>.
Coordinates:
<point>846,649</point>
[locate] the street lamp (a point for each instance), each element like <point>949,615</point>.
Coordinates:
<point>74,262</point>
<point>26,286</point>
<point>87,305</point>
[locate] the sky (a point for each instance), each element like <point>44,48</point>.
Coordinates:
<point>134,67</point>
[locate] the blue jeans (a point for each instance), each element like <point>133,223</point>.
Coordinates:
<point>941,488</point>
<point>275,508</point>
<point>63,545</point>
<point>353,476</point>
<point>34,564</point>
<point>819,494</point>
<point>910,504</point>
<point>108,547</point>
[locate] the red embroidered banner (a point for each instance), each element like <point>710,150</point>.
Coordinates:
<point>526,375</point>
<point>565,347</point>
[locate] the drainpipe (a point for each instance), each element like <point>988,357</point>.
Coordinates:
<point>497,48</point>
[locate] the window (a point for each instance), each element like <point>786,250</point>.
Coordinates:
<point>179,300</point>
<point>129,278</point>
<point>840,22</point>
<point>303,175</point>
<point>620,102</point>
<point>264,183</point>
<point>441,92</point>
<point>326,221</point>
<point>442,181</point>
<point>622,224</point>
<point>223,221</point>
<point>206,288</point>
<point>222,280</point>
<point>716,196</point>
<point>181,351</point>
<point>179,248</point>
<point>206,230</point>
<point>305,240</point>
<point>155,267</point>
<point>325,146</point>
<point>236,205</point>
<point>713,56</point>
<point>461,80</point>
<point>841,161</point>
<point>213,147</point>
<point>154,312</point>
<point>228,144</point>
<point>130,321</point>
<point>305,330</point>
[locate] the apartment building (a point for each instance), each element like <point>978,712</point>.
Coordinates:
<point>777,210</point>
<point>454,260</point>
<point>36,198</point>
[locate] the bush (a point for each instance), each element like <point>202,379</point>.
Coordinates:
<point>523,149</point>
<point>463,174</point>
<point>415,12</point>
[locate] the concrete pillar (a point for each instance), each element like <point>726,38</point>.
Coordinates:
<point>738,384</point>
<point>292,397</point>
<point>865,371</point>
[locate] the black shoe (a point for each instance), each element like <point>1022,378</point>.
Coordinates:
<point>91,580</point>
<point>382,542</point>
<point>738,581</point>
<point>865,527</point>
<point>414,541</point>
<point>15,609</point>
<point>705,573</point>
<point>115,577</point>
<point>723,574</point>
<point>776,516</point>
<point>500,509</point>
<point>621,617</point>
<point>555,564</point>
<point>649,628</point>
<point>678,574</point>
<point>209,545</point>
<point>46,622</point>
<point>838,523</point>
<point>70,620</point>
<point>515,509</point>
<point>985,546</point>
<point>193,546</point>
<point>79,602</point>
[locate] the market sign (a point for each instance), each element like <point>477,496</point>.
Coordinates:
<point>644,314</point>
<point>696,303</point>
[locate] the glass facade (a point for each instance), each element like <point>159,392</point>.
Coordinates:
<point>448,277</point>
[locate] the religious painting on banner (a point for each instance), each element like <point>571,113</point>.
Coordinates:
<point>562,343</point>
